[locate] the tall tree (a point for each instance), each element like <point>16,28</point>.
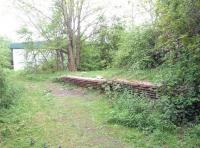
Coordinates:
<point>75,13</point>
<point>73,20</point>
<point>78,39</point>
<point>69,18</point>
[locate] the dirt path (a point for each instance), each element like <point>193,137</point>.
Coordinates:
<point>78,104</point>
<point>50,115</point>
<point>72,120</point>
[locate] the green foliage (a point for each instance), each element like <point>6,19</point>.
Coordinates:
<point>49,65</point>
<point>171,43</point>
<point>135,47</point>
<point>157,117</point>
<point>5,56</point>
<point>2,82</point>
<point>107,42</point>
<point>181,111</point>
<point>192,136</point>
<point>178,23</point>
<point>8,91</point>
<point>99,53</point>
<point>90,58</point>
<point>179,26</point>
<point>134,111</point>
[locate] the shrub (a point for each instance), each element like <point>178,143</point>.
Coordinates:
<point>8,92</point>
<point>192,136</point>
<point>99,54</point>
<point>135,48</point>
<point>181,111</point>
<point>134,111</point>
<point>2,82</point>
<point>178,23</point>
<point>5,57</point>
<point>49,66</point>
<point>90,58</point>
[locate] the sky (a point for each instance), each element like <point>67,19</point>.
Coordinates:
<point>11,18</point>
<point>9,22</point>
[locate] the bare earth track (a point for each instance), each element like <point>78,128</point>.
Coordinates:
<point>86,130</point>
<point>50,115</point>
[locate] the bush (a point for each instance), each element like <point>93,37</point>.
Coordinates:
<point>181,111</point>
<point>8,92</point>
<point>90,58</point>
<point>192,136</point>
<point>48,66</point>
<point>135,48</point>
<point>5,57</point>
<point>178,23</point>
<point>134,111</point>
<point>51,65</point>
<point>105,43</point>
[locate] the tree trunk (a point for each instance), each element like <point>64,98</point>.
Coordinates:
<point>68,12</point>
<point>62,60</point>
<point>71,59</point>
<point>78,37</point>
<point>57,60</point>
<point>78,43</point>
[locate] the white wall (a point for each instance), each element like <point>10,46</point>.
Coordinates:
<point>19,59</point>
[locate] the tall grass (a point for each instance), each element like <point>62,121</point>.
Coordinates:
<point>137,111</point>
<point>152,117</point>
<point>9,91</point>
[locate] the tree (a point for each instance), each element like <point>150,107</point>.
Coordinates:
<point>78,17</point>
<point>70,23</point>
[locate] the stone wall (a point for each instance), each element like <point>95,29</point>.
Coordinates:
<point>142,88</point>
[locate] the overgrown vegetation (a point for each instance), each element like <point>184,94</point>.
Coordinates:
<point>157,118</point>
<point>135,48</point>
<point>171,42</point>
<point>8,91</point>
<point>137,111</point>
<point>41,119</point>
<point>165,50</point>
<point>5,56</point>
<point>180,36</point>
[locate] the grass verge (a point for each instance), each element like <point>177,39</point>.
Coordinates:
<point>41,119</point>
